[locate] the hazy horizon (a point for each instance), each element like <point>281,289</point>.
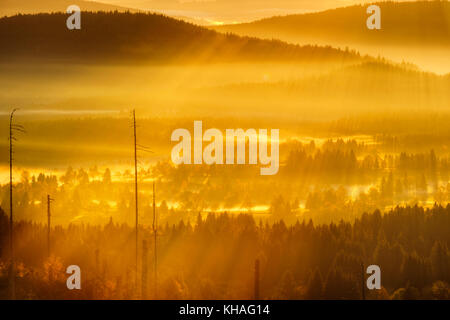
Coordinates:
<point>216,12</point>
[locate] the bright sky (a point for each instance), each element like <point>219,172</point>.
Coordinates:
<point>228,11</point>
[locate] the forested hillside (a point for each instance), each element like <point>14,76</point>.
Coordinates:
<point>13,7</point>
<point>151,38</point>
<point>416,31</point>
<point>402,23</point>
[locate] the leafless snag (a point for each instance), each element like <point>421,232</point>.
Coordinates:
<point>13,128</point>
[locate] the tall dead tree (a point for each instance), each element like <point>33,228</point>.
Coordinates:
<point>137,147</point>
<point>256,296</point>
<point>12,272</point>
<point>97,261</point>
<point>49,200</point>
<point>144,273</point>
<point>363,289</point>
<point>155,231</point>
<point>136,194</point>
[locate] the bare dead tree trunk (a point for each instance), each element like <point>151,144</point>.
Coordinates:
<point>256,279</point>
<point>144,269</point>
<point>12,271</point>
<point>136,197</point>
<point>363,291</point>
<point>155,231</point>
<point>49,200</point>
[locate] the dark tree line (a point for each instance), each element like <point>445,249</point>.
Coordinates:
<point>214,257</point>
<point>131,37</point>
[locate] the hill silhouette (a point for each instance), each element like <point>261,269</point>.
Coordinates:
<point>351,90</point>
<point>138,37</point>
<point>423,23</point>
<point>421,26</point>
<point>13,7</point>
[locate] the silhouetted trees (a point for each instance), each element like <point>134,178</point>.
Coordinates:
<point>139,37</point>
<point>214,258</point>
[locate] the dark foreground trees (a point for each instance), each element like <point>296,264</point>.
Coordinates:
<point>214,259</point>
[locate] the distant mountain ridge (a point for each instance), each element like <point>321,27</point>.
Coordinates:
<point>423,22</point>
<point>13,7</point>
<point>358,88</point>
<point>413,31</point>
<point>138,37</point>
